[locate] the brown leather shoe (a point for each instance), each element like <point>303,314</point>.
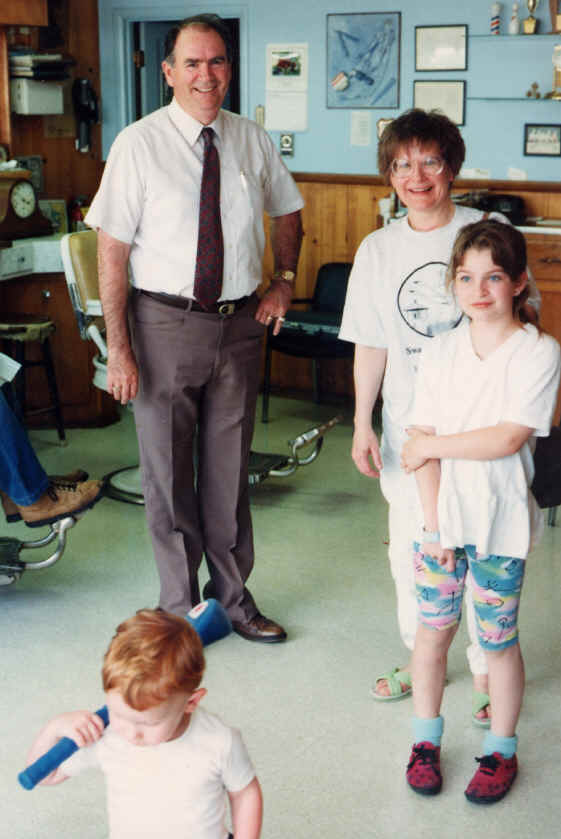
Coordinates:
<point>77,476</point>
<point>260,628</point>
<point>61,501</point>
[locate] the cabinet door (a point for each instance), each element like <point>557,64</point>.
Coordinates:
<point>544,259</point>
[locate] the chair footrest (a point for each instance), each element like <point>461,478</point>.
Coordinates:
<point>261,463</point>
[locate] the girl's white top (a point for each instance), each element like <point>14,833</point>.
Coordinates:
<point>488,503</point>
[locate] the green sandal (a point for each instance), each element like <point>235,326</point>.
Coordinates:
<point>479,701</point>
<point>394,679</point>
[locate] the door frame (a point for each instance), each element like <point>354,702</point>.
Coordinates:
<point>116,55</point>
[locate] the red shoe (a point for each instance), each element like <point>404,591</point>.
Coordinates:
<point>423,770</point>
<point>493,779</point>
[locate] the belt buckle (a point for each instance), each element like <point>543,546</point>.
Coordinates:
<point>226,309</point>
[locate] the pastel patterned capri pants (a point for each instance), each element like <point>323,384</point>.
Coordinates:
<point>497,583</point>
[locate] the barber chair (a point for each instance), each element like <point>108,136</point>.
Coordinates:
<point>79,258</point>
<point>12,566</point>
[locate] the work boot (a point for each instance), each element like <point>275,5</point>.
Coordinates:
<point>58,502</point>
<point>77,476</point>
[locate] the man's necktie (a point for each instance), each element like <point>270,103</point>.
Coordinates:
<point>210,247</point>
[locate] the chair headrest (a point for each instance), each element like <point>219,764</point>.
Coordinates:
<point>331,286</point>
<point>83,253</point>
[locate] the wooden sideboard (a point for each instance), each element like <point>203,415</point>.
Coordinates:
<point>544,259</point>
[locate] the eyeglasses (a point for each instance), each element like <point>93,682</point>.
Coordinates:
<point>430,166</point>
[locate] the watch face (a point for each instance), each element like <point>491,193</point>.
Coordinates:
<point>22,199</point>
<point>286,275</point>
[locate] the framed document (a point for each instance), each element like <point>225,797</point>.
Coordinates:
<point>448,97</point>
<point>440,48</point>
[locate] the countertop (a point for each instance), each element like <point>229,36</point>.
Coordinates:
<point>36,255</point>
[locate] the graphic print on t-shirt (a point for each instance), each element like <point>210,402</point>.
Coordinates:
<point>425,304</point>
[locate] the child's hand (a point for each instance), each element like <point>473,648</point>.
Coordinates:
<point>81,726</point>
<point>444,556</point>
<point>412,457</point>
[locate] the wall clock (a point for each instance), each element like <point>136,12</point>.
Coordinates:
<point>20,216</point>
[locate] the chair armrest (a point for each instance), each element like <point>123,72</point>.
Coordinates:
<point>97,338</point>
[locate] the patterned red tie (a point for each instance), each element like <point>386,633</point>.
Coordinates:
<point>210,247</point>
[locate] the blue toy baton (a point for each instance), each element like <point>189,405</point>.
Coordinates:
<point>211,623</point>
<point>52,759</point>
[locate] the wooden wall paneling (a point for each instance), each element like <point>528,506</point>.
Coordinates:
<point>67,172</point>
<point>334,218</point>
<point>363,214</point>
<point>553,206</point>
<point>5,123</point>
<point>24,13</point>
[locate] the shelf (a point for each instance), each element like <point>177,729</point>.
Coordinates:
<point>521,37</point>
<point>511,99</point>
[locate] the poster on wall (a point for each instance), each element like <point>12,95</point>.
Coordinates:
<point>363,53</point>
<point>286,101</point>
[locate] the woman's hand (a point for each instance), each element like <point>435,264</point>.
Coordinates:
<point>366,452</point>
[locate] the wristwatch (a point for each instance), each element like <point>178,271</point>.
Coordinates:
<point>285,275</point>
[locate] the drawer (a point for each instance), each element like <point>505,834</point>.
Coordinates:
<point>15,262</point>
<point>544,257</point>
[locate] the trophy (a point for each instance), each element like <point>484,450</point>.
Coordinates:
<point>556,92</point>
<point>555,16</point>
<point>530,23</point>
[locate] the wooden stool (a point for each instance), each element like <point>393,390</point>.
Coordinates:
<point>18,330</point>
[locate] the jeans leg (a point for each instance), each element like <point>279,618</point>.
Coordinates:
<point>21,475</point>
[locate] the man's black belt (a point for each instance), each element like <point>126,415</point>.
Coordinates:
<point>223,307</point>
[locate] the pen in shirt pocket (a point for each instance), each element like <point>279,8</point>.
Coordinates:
<point>243,180</point>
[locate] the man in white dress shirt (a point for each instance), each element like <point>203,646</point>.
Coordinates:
<point>193,368</point>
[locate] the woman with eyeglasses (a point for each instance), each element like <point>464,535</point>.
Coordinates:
<point>396,303</point>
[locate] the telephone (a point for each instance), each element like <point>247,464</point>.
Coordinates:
<point>85,106</point>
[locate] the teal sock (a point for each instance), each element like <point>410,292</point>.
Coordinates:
<point>428,730</point>
<point>506,746</point>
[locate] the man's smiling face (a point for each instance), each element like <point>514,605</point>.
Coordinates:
<point>200,73</point>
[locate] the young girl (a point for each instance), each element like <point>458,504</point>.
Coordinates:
<point>485,389</point>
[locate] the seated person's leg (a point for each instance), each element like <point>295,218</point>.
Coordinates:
<point>26,490</point>
<point>22,477</point>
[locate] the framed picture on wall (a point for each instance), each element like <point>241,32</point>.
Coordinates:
<point>440,48</point>
<point>542,140</point>
<point>448,97</point>
<point>55,210</point>
<point>363,54</point>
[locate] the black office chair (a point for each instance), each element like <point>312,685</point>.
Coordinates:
<point>312,333</point>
